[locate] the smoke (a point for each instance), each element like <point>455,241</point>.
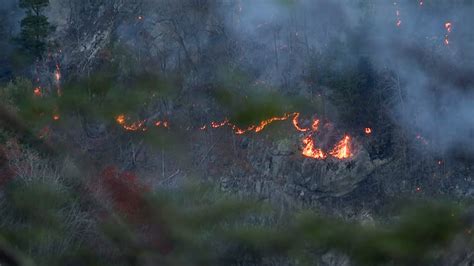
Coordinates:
<point>436,98</point>
<point>276,42</point>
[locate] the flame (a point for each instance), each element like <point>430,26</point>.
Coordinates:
<point>398,22</point>
<point>120,119</point>
<point>295,123</point>
<point>448,26</point>
<point>220,124</point>
<point>37,92</point>
<point>311,151</point>
<point>315,125</point>
<point>267,122</point>
<point>368,130</point>
<point>135,126</point>
<point>57,73</point>
<point>255,128</point>
<point>164,124</point>
<point>342,149</point>
<point>56,117</point>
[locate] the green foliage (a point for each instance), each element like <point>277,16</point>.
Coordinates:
<point>35,28</point>
<point>199,226</point>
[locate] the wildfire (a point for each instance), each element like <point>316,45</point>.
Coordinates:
<point>311,151</point>
<point>164,124</point>
<point>56,117</point>
<point>37,92</point>
<point>398,21</point>
<point>135,126</point>
<point>368,130</point>
<point>57,76</point>
<point>57,73</point>
<point>342,149</point>
<point>138,125</point>
<point>448,26</point>
<point>267,122</point>
<point>315,125</point>
<point>255,128</point>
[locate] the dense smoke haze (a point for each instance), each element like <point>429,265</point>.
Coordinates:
<point>236,132</point>
<point>432,64</point>
<point>436,102</point>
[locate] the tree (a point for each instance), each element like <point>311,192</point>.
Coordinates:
<point>35,27</point>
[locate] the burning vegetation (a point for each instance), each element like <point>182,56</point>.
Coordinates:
<point>342,150</point>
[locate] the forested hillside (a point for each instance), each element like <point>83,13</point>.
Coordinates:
<point>236,132</point>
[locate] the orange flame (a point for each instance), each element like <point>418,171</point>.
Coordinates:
<point>37,92</point>
<point>296,125</point>
<point>135,126</point>
<point>267,122</point>
<point>315,125</point>
<point>56,117</point>
<point>311,151</point>
<point>342,149</point>
<point>368,130</point>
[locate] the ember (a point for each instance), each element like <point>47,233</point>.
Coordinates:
<point>135,126</point>
<point>448,26</point>
<point>37,92</point>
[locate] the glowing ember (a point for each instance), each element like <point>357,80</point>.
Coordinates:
<point>315,125</point>
<point>57,73</point>
<point>37,92</point>
<point>267,122</point>
<point>295,123</point>
<point>255,128</point>
<point>448,26</point>
<point>56,117</point>
<point>219,124</point>
<point>398,21</point>
<point>311,151</point>
<point>368,130</point>
<point>120,119</point>
<point>164,124</point>
<point>342,149</point>
<point>135,126</point>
